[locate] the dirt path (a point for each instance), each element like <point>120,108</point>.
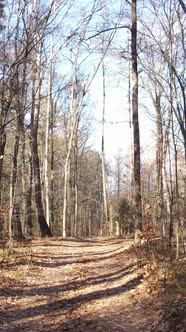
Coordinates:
<point>77,285</point>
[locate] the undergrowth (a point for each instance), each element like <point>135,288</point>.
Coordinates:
<point>156,258</point>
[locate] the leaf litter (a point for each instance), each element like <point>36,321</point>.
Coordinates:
<point>81,285</point>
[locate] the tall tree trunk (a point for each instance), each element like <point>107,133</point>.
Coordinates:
<point>171,80</point>
<point>25,161</point>
<point>29,195</point>
<point>105,204</point>
<point>14,218</point>
<point>177,196</point>
<point>74,110</point>
<point>52,162</point>
<point>171,196</point>
<point>2,149</point>
<point>131,162</point>
<point>48,111</point>
<point>44,228</point>
<point>46,171</point>
<point>13,178</point>
<point>5,103</point>
<point>131,154</point>
<point>75,186</point>
<point>159,159</point>
<point>136,132</point>
<point>27,179</point>
<point>4,108</point>
<point>66,177</point>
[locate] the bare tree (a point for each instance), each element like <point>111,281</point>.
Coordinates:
<point>105,203</point>
<point>36,98</point>
<point>136,132</point>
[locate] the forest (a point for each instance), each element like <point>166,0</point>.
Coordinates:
<point>53,182</point>
<point>60,194</point>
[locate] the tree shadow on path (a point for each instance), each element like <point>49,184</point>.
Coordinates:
<point>62,305</point>
<point>101,279</point>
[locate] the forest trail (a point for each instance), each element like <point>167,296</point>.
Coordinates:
<point>76,285</point>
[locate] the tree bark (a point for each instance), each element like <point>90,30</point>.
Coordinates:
<point>52,161</point>
<point>44,228</point>
<point>136,131</point>
<point>105,203</point>
<point>14,218</point>
<point>159,158</point>
<point>74,110</point>
<point>46,170</point>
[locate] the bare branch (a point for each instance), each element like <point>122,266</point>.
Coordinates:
<point>108,29</point>
<point>182,5</point>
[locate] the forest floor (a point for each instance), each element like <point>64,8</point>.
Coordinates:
<point>84,285</point>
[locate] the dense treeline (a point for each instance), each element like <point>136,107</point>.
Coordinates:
<point>52,182</point>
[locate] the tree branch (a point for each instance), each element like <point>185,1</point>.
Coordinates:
<point>182,5</point>
<point>108,29</point>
